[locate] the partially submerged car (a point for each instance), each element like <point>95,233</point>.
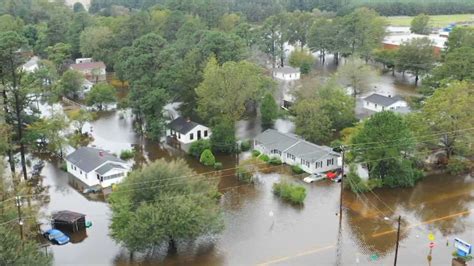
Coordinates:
<point>313,178</point>
<point>56,236</point>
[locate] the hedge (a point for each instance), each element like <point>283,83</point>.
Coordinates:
<point>295,194</point>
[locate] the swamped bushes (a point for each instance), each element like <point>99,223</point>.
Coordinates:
<point>295,194</point>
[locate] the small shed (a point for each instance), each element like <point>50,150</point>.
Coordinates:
<point>69,221</point>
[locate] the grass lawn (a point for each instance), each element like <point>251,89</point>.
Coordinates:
<point>436,21</point>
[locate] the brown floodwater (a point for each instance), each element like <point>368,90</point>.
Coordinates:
<point>262,229</point>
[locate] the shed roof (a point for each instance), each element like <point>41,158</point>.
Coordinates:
<point>383,100</point>
<point>88,158</point>
<point>67,216</point>
<point>182,125</point>
<point>88,66</point>
<point>107,167</point>
<point>287,70</point>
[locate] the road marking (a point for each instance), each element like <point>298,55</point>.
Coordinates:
<point>304,253</point>
<point>425,222</point>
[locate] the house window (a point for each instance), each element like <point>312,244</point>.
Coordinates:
<point>383,108</point>
<point>80,172</point>
<point>330,161</point>
<point>179,135</point>
<point>205,133</point>
<point>98,176</point>
<point>191,136</point>
<point>375,105</point>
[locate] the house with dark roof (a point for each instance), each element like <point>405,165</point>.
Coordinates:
<point>287,73</point>
<point>96,167</point>
<point>93,71</point>
<point>294,150</point>
<point>187,131</point>
<point>378,103</point>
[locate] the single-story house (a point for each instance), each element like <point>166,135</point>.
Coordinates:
<point>378,103</point>
<point>92,71</point>
<point>31,65</point>
<point>96,167</point>
<point>187,131</point>
<point>287,73</point>
<point>293,150</point>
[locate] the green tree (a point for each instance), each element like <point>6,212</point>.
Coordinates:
<point>389,157</point>
<point>79,118</point>
<point>217,94</point>
<point>299,27</point>
<point>15,251</point>
<point>100,95</point>
<point>458,65</point>
<point>223,137</point>
<point>323,36</point>
<point>273,37</point>
<point>311,121</point>
<point>268,110</point>
<point>420,24</point>
<point>460,37</point>
<point>96,42</point>
<point>58,54</point>
<point>10,23</point>
<point>357,75</point>
<point>173,208</point>
<point>298,58</point>
<point>416,56</point>
<point>50,131</point>
<point>207,158</point>
<point>70,84</point>
<point>197,147</point>
<point>80,22</point>
<point>78,7</point>
<point>387,57</point>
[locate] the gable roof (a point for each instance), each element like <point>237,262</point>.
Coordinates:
<point>182,125</point>
<point>88,66</point>
<point>287,70</point>
<point>293,144</point>
<point>88,158</point>
<point>107,167</point>
<point>383,100</point>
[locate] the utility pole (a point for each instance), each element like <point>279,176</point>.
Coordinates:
<point>20,220</point>
<point>398,239</point>
<point>342,187</point>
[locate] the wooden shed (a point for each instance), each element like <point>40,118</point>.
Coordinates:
<point>69,221</point>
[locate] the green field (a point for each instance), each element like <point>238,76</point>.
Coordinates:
<point>436,21</point>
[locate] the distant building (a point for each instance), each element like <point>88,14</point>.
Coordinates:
<point>293,150</point>
<point>32,65</point>
<point>96,167</point>
<point>287,73</point>
<point>378,103</point>
<point>394,41</point>
<point>187,131</point>
<point>93,71</point>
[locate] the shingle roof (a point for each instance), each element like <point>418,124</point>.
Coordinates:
<point>290,143</point>
<point>383,100</point>
<point>88,159</point>
<point>287,70</point>
<point>107,167</point>
<point>182,125</point>
<point>87,66</point>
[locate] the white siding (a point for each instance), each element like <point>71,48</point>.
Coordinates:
<point>91,178</point>
<point>379,108</point>
<point>287,77</point>
<point>192,135</point>
<point>86,178</point>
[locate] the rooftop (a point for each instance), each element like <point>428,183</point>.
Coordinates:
<point>67,216</point>
<point>182,125</point>
<point>88,66</point>
<point>398,39</point>
<point>88,158</point>
<point>107,167</point>
<point>383,100</point>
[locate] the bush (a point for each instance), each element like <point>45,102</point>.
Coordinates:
<point>198,147</point>
<point>264,158</point>
<point>457,166</point>
<point>218,166</point>
<point>207,158</point>
<point>245,145</point>
<point>290,192</point>
<point>127,154</point>
<point>297,169</point>
<point>274,161</point>
<point>245,175</point>
<point>305,68</point>
<point>63,166</point>
<point>255,153</point>
<point>357,185</point>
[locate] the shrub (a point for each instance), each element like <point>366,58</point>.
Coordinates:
<point>295,194</point>
<point>357,185</point>
<point>245,145</point>
<point>457,166</point>
<point>274,161</point>
<point>255,153</point>
<point>127,154</point>
<point>198,147</point>
<point>207,158</point>
<point>245,175</point>
<point>63,166</point>
<point>218,166</point>
<point>297,169</point>
<point>264,158</point>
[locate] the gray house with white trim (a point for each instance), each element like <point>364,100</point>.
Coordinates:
<point>378,103</point>
<point>293,150</point>
<point>96,167</point>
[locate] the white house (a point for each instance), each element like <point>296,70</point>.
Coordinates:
<point>378,103</point>
<point>287,73</point>
<point>96,167</point>
<point>187,131</point>
<point>294,150</point>
<point>93,71</point>
<point>32,65</point>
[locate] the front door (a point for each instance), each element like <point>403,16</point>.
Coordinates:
<point>199,134</point>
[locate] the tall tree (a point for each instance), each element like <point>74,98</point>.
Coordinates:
<point>96,42</point>
<point>299,27</point>
<point>171,209</point>
<point>100,95</point>
<point>51,131</point>
<point>420,24</point>
<point>311,121</point>
<point>357,75</point>
<point>273,37</point>
<point>268,110</point>
<point>70,84</point>
<point>416,56</point>
<point>59,54</point>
